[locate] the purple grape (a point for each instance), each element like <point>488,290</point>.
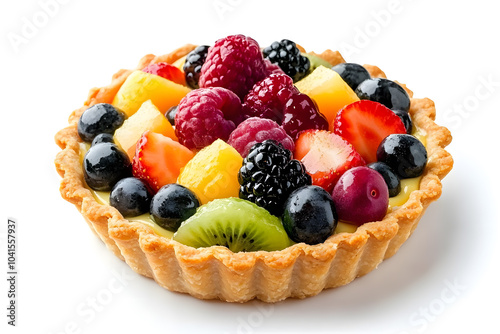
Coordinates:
<point>361,196</point>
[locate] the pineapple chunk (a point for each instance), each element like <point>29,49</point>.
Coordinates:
<point>148,117</point>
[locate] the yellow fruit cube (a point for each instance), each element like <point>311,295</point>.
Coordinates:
<point>141,86</point>
<point>329,90</point>
<point>213,172</point>
<point>148,117</point>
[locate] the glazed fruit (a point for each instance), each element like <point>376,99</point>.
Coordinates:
<point>384,91</point>
<point>328,90</point>
<point>104,165</point>
<point>268,97</point>
<point>172,205</point>
<point>326,156</point>
<point>147,118</point>
<point>405,154</point>
<point>159,159</point>
<point>269,175</point>
<point>361,196</point>
<point>309,215</point>
<point>130,196</point>
<point>255,130</point>
<point>286,54</point>
<point>170,115</point>
<point>100,118</point>
<point>301,114</point>
<point>406,119</point>
<point>141,86</point>
<point>167,71</point>
<point>234,62</point>
<point>192,65</point>
<point>353,74</point>
<point>272,68</point>
<point>234,223</point>
<point>207,114</point>
<point>103,138</point>
<point>213,172</point>
<point>391,179</point>
<point>365,124</point>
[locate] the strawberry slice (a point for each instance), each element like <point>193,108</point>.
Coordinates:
<point>326,156</point>
<point>365,124</point>
<point>159,159</point>
<point>167,71</point>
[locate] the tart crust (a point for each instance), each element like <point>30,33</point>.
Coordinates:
<point>217,273</point>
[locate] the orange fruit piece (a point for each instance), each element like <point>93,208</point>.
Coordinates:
<point>141,86</point>
<point>213,172</point>
<point>330,92</point>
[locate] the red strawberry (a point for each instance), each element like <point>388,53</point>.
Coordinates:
<point>167,71</point>
<point>326,156</point>
<point>158,160</point>
<point>365,124</point>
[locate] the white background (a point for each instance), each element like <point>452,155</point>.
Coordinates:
<point>444,279</point>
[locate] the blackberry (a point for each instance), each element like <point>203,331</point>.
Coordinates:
<point>192,65</point>
<point>269,175</point>
<point>288,57</point>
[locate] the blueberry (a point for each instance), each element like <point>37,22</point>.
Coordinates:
<point>131,197</point>
<point>384,91</point>
<point>309,215</point>
<point>404,154</point>
<point>100,118</point>
<point>173,204</point>
<point>103,138</point>
<point>406,119</point>
<point>170,114</point>
<point>104,165</point>
<point>390,178</point>
<point>353,74</point>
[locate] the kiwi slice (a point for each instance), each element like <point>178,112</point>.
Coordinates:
<point>316,62</point>
<point>238,224</point>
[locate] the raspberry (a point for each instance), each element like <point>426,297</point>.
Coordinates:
<point>288,57</point>
<point>255,130</point>
<point>272,68</point>
<point>268,97</point>
<point>235,63</point>
<point>268,176</point>
<point>301,114</point>
<point>205,115</point>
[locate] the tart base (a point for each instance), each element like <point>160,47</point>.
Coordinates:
<point>215,272</point>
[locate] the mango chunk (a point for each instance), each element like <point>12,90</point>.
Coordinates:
<point>213,172</point>
<point>141,86</point>
<point>329,90</point>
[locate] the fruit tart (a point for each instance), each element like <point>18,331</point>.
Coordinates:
<point>236,172</point>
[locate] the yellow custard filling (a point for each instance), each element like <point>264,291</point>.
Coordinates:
<point>102,197</point>
<point>407,186</point>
